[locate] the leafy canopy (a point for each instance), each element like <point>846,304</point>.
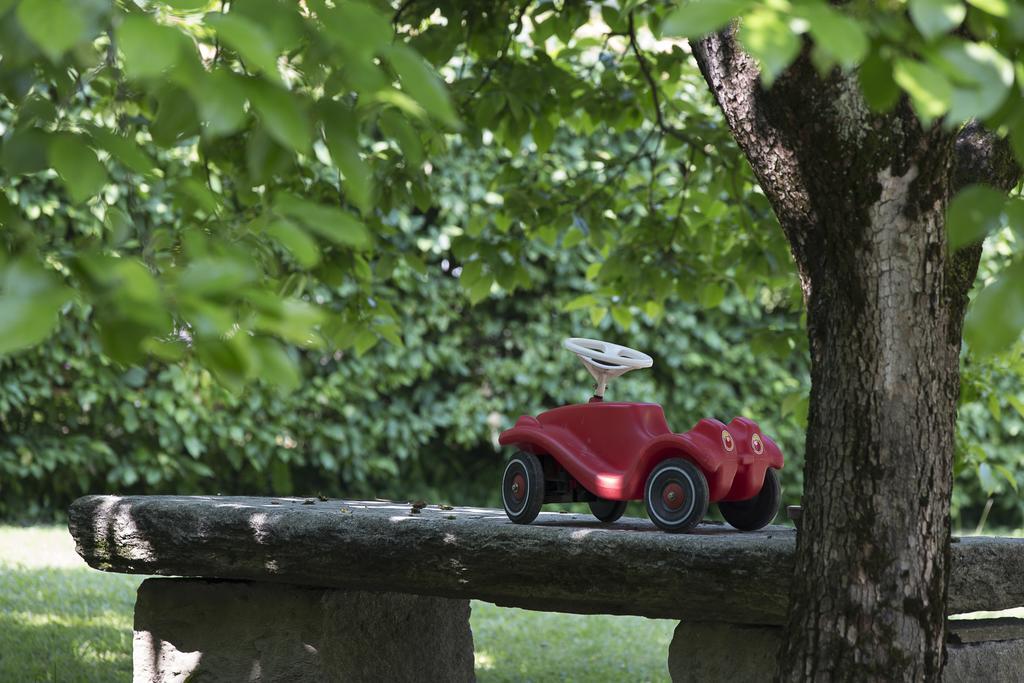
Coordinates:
<point>208,110</point>
<point>956,61</point>
<point>287,135</point>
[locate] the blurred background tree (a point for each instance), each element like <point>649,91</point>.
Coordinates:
<point>258,245</point>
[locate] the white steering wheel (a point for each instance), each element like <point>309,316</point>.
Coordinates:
<point>605,360</point>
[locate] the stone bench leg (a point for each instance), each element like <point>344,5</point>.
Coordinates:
<point>201,630</point>
<point>713,651</point>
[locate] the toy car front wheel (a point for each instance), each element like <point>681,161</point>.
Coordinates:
<point>756,512</point>
<point>607,510</point>
<point>522,488</point>
<point>676,495</point>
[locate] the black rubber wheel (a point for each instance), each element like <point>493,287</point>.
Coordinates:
<point>676,495</point>
<point>522,487</point>
<point>607,510</point>
<point>757,512</point>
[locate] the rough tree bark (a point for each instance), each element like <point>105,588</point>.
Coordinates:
<point>861,198</point>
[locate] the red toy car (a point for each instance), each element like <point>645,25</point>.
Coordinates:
<point>608,453</point>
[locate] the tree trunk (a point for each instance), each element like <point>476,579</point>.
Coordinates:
<point>861,198</point>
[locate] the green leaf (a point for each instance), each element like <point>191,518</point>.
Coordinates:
<point>341,143</point>
<point>295,240</point>
<point>994,408</point>
<point>252,42</point>
<point>1017,404</point>
<point>1014,211</point>
<point>395,126</point>
<point>981,76</point>
<point>573,236</point>
<point>622,316</point>
<point>934,18</point>
<point>700,17</point>
<point>1008,476</point>
<point>231,359</point>
<point>391,333</point>
<point>543,134</point>
<point>276,365</point>
<point>597,315</point>
<point>25,151</point>
<point>220,98</point>
<point>480,289</point>
<point>767,36</point>
<point>176,117</point>
<point>149,48</point>
<point>471,272</point>
<point>330,222</point>
<point>357,27</point>
<point>55,26</point>
<point>996,316</point>
<point>974,213</point>
<point>30,298</point>
<point>365,340</point>
<point>583,301</point>
<point>423,84</point>
<point>77,166</point>
<point>120,225</point>
<point>997,8</point>
<point>712,295</point>
<point>876,81</point>
<point>837,34</point>
<point>930,91</point>
<point>283,113</point>
<point>125,150</point>
<point>208,276</point>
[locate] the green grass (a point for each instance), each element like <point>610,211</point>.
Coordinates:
<point>61,621</point>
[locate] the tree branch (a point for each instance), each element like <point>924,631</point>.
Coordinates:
<point>645,69</point>
<point>493,64</point>
<point>734,79</point>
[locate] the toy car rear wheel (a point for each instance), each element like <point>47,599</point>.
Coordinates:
<point>757,512</point>
<point>676,495</point>
<point>607,511</point>
<point>522,487</point>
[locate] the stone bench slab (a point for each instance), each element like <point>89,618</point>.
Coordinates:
<point>561,563</point>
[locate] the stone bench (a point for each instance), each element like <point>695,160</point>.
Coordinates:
<point>291,589</point>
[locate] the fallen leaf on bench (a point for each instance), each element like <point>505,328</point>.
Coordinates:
<point>446,507</point>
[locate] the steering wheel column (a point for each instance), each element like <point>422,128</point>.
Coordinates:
<point>605,360</point>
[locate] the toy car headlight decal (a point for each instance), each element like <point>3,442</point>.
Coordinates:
<point>727,442</point>
<point>756,444</point>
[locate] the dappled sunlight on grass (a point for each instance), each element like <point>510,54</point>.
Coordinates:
<point>61,621</point>
<point>482,661</point>
<point>37,546</point>
<point>521,645</point>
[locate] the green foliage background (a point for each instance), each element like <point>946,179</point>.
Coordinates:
<point>280,255</point>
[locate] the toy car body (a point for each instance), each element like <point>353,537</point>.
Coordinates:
<point>608,453</point>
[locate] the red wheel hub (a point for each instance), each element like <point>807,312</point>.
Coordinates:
<point>673,496</point>
<point>518,487</point>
